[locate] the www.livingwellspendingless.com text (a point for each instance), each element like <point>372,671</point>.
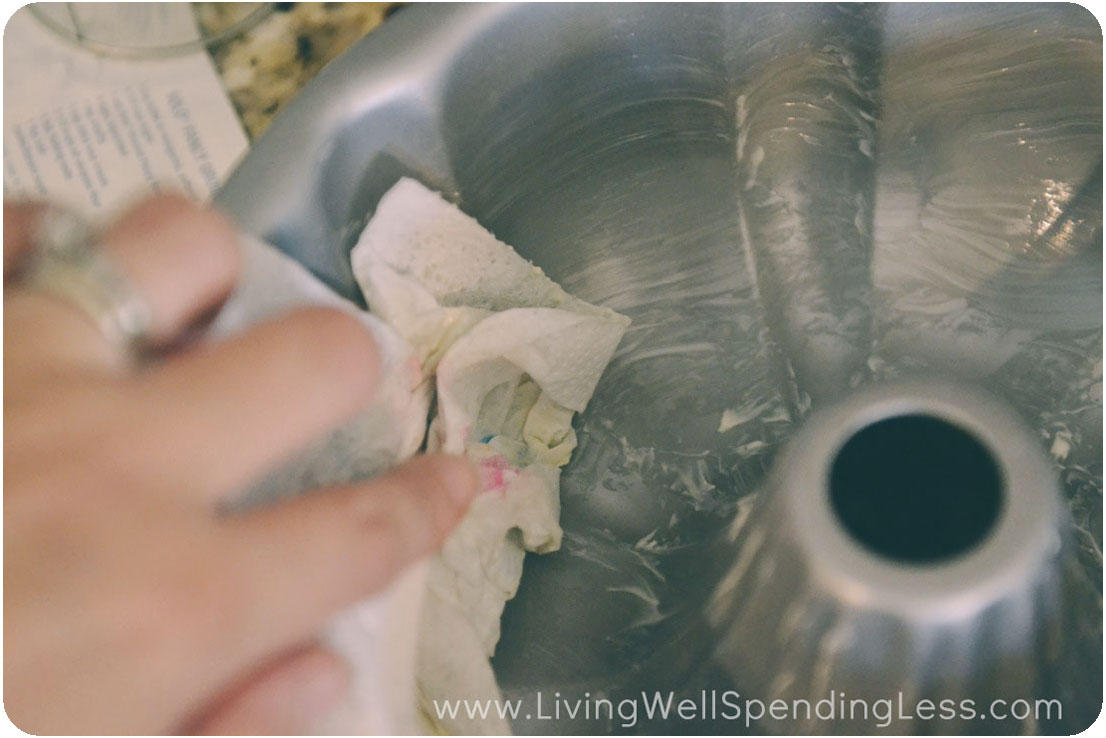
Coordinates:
<point>730,706</point>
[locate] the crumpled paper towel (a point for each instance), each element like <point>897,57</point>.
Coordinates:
<point>511,357</point>
<point>514,357</point>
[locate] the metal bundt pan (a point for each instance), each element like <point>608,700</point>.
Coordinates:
<point>791,203</point>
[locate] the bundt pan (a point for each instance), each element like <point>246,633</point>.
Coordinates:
<point>804,209</point>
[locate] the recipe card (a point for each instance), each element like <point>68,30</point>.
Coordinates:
<point>96,132</point>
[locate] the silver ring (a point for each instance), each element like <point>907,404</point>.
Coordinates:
<point>66,263</point>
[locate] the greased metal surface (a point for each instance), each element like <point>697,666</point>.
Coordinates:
<point>790,203</point>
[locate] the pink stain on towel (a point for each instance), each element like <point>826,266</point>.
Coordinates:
<point>496,473</point>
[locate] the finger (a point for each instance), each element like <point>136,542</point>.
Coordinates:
<point>288,697</point>
<point>302,561</point>
<point>228,412</point>
<point>182,259</point>
<point>19,221</point>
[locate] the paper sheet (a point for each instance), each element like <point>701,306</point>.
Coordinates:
<point>96,132</point>
<point>513,357</point>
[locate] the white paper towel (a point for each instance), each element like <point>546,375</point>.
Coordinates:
<point>514,356</point>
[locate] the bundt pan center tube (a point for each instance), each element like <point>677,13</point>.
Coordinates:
<point>911,541</point>
<point>795,205</point>
<point>920,500</point>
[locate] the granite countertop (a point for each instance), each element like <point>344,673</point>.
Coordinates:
<point>264,67</point>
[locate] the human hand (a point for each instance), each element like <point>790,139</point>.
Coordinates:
<point>130,604</point>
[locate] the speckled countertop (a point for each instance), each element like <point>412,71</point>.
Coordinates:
<point>267,65</point>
